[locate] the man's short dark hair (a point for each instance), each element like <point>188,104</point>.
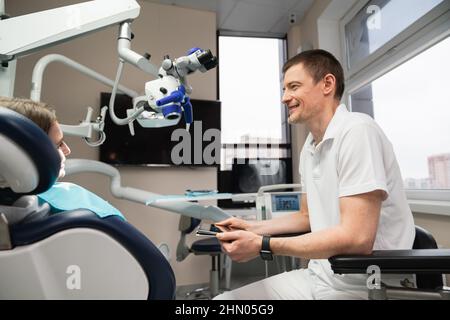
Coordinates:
<point>319,63</point>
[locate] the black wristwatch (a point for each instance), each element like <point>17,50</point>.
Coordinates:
<point>266,253</point>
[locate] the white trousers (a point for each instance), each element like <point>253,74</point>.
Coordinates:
<point>301,284</point>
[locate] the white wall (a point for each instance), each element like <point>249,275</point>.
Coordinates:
<point>309,28</point>
<point>158,30</point>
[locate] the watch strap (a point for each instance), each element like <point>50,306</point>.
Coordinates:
<point>266,253</point>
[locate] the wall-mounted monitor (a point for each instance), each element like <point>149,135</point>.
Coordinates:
<point>154,146</point>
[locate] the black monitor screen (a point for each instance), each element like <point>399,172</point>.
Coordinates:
<point>248,175</point>
<point>154,146</point>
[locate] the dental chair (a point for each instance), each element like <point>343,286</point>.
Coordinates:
<point>68,255</point>
<point>425,261</point>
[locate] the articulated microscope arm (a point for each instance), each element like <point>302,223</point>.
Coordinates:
<point>193,210</point>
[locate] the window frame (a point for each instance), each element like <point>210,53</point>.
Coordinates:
<point>395,44</point>
<point>426,32</point>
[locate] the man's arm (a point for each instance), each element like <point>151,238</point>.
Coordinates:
<point>354,235</point>
<point>291,223</point>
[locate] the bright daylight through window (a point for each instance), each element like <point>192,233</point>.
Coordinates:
<point>254,121</point>
<point>250,90</point>
<point>415,92</point>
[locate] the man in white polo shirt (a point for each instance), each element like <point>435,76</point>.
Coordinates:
<point>353,199</point>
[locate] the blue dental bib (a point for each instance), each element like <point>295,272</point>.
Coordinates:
<point>65,196</point>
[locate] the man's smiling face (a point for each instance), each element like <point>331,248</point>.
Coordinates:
<point>302,96</point>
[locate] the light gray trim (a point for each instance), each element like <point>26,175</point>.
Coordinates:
<point>419,36</point>
<point>232,33</point>
<point>23,208</point>
<point>441,208</point>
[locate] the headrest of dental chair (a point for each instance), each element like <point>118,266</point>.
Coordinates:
<point>29,161</point>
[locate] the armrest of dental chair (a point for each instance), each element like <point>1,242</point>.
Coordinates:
<point>425,260</point>
<point>394,262</point>
<point>428,266</point>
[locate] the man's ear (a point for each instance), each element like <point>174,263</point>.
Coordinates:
<point>329,84</point>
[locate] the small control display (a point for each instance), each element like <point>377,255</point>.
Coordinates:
<point>285,202</point>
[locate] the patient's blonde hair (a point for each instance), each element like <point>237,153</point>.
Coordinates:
<point>38,112</point>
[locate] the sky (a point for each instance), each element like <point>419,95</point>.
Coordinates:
<point>412,105</point>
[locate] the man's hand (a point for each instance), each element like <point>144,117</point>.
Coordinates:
<point>240,245</point>
<point>232,224</point>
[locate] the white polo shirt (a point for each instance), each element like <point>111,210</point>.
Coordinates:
<point>354,157</point>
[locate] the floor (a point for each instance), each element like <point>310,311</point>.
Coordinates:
<point>201,292</point>
<point>241,274</point>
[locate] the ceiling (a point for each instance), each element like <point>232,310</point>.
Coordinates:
<point>253,17</point>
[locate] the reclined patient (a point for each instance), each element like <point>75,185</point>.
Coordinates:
<point>62,196</point>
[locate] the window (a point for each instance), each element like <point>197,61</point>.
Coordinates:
<point>416,93</point>
<point>254,121</point>
<point>397,74</point>
<point>378,22</point>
